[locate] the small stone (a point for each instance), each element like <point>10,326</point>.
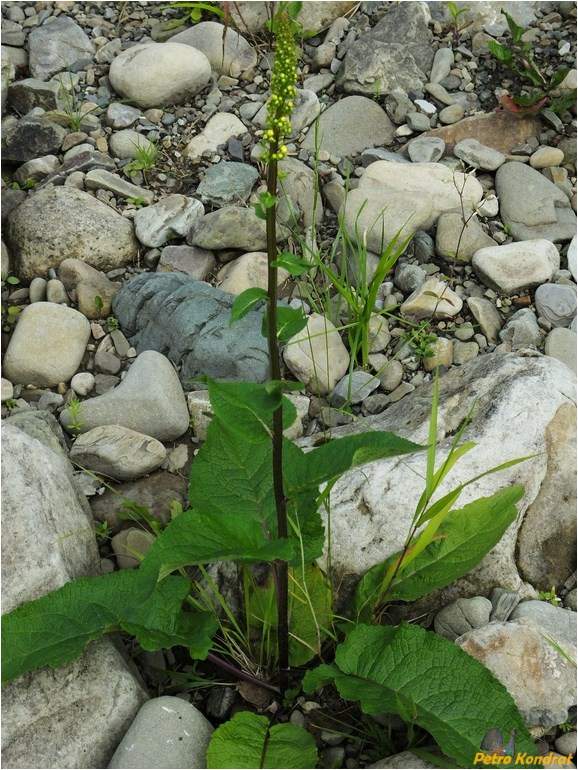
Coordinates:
<point>566,744</point>
<point>38,290</point>
<point>401,391</point>
<point>353,388</point>
<point>390,375</point>
<point>126,545</point>
<point>434,299</point>
<point>561,344</point>
<point>451,114</point>
<point>7,390</point>
<point>417,121</point>
<point>503,603</point>
<point>247,272</point>
<point>522,330</point>
<point>479,156</point>
<point>545,157</point>
<point>465,351</point>
<point>487,317</point>
<point>82,383</point>
<point>426,149</point>
<point>443,355</point>
<point>557,621</point>
<point>55,292</point>
<point>517,266</point>
<point>442,63</point>
<point>462,616</point>
<point>556,302</point>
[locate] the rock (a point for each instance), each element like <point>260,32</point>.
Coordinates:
<point>119,116</point>
<point>390,375</point>
<point>454,240</point>
<point>426,149</point>
<point>8,71</point>
<point>557,622</point>
<point>537,676</point>
<point>29,138</point>
<point>218,130</point>
<point>561,344</point>
<point>227,183</point>
<point>82,383</point>
<point>451,114</point>
<point>546,157</point>
<point>433,299</point>
<point>503,603</point>
<point>246,272</point>
<point>167,731</point>
<point>7,390</point>
<point>57,46</point>
<point>407,759</point>
<point>464,352</point>
<point>250,16</point>
<point>55,292</point>
<point>231,227</point>
<point>149,400</point>
<point>409,277</point>
<point>38,552</point>
<point>47,345</point>
<point>195,262</point>
<point>443,61</point>
<point>542,212</point>
<point>159,74</point>
<point>378,498</point>
<point>201,413</point>
<point>130,546</point>
<point>189,320</point>
<point>172,214</point>
<point>76,165</point>
<point>522,331</point>
<point>118,452</point>
<point>127,143</point>
<point>341,133</point>
<point>462,616</point>
<point>298,202</point>
<point>227,51</point>
<point>556,302</point>
<point>443,354</point>
<point>499,130</point>
<point>73,225</point>
<point>566,743</point>
<point>395,53</point>
<point>517,266</point>
<point>36,169</point>
<point>317,356</point>
<point>487,316</point>
<point>71,716</point>
<point>353,388</point>
<point>479,156</point>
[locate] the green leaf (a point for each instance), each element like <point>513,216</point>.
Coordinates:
<point>464,539</point>
<point>558,77</point>
<point>290,321</point>
<point>501,52</point>
<point>56,628</point>
<point>292,263</point>
<point>456,699</point>
<point>246,408</point>
<point>245,302</point>
<point>515,30</point>
<point>331,460</point>
<point>248,741</point>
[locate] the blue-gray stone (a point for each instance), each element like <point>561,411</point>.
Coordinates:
<point>188,321</point>
<point>559,622</point>
<point>227,183</point>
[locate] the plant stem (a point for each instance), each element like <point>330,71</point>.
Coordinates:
<point>231,669</point>
<point>280,567</point>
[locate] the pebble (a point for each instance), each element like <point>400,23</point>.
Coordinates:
<point>546,157</point>
<point>561,344</point>
<point>82,383</point>
<point>426,149</point>
<point>317,356</point>
<point>475,154</point>
<point>353,389</point>
<point>517,266</point>
<point>461,616</point>
<point>556,302</point>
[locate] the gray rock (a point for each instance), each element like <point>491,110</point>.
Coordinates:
<point>409,278</point>
<point>219,129</point>
<point>443,61</point>
<point>390,375</point>
<point>317,356</point>
<point>464,352</point>
<point>314,17</point>
<point>456,241</point>
<point>443,354</point>
<point>189,321</point>
<point>227,51</point>
<point>78,165</point>
<point>522,330</point>
<point>159,74</point>
<point>99,179</point>
<point>227,183</point>
<point>118,452</point>
<point>367,502</point>
<point>341,133</point>
<point>88,284</point>
<point>503,603</point>
<point>462,616</point>
<point>47,345</point>
<point>149,400</point>
<point>418,122</point>
<point>25,94</point>
<point>131,545</point>
<point>561,344</point>
<point>398,105</point>
<point>36,169</point>
<point>297,200</point>
<point>28,138</point>
<point>517,266</point>
<point>557,622</point>
<point>478,155</point>
<point>426,149</point>
<point>126,143</point>
<point>73,224</point>
<point>451,114</point>
<point>566,743</point>
<point>195,262</point>
<point>173,214</point>
<point>396,53</point>
<point>246,272</point>
<point>543,211</point>
<point>487,316</point>
<point>167,732</point>
<point>82,383</point>
<point>537,676</point>
<point>119,116</point>
<point>353,389</point>
<point>433,299</point>
<point>571,258</point>
<point>406,759</point>
<point>44,427</point>
<point>556,302</point>
<point>232,227</point>
<point>56,46</point>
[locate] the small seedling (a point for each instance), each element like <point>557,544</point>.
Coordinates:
<point>136,202</point>
<point>74,408</point>
<point>72,109</point>
<point>456,13</point>
<point>10,404</point>
<point>146,157</point>
<point>550,597</point>
<point>102,530</point>
<point>10,316</point>
<point>112,323</point>
<point>421,341</point>
<point>194,13</point>
<point>98,303</point>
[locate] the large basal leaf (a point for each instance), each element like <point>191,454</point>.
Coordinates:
<point>200,538</point>
<point>464,539</point>
<point>331,460</point>
<point>413,672</point>
<point>247,741</point>
<point>56,628</point>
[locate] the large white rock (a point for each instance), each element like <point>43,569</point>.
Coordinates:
<point>118,452</point>
<point>219,129</point>
<point>172,214</point>
<point>47,345</point>
<point>246,272</point>
<point>227,51</point>
<point>159,74</point>
<point>517,266</point>
<point>317,356</point>
<point>515,399</point>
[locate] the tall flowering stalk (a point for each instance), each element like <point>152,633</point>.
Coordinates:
<point>280,107</point>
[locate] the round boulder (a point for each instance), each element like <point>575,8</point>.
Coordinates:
<point>62,222</point>
<point>159,74</point>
